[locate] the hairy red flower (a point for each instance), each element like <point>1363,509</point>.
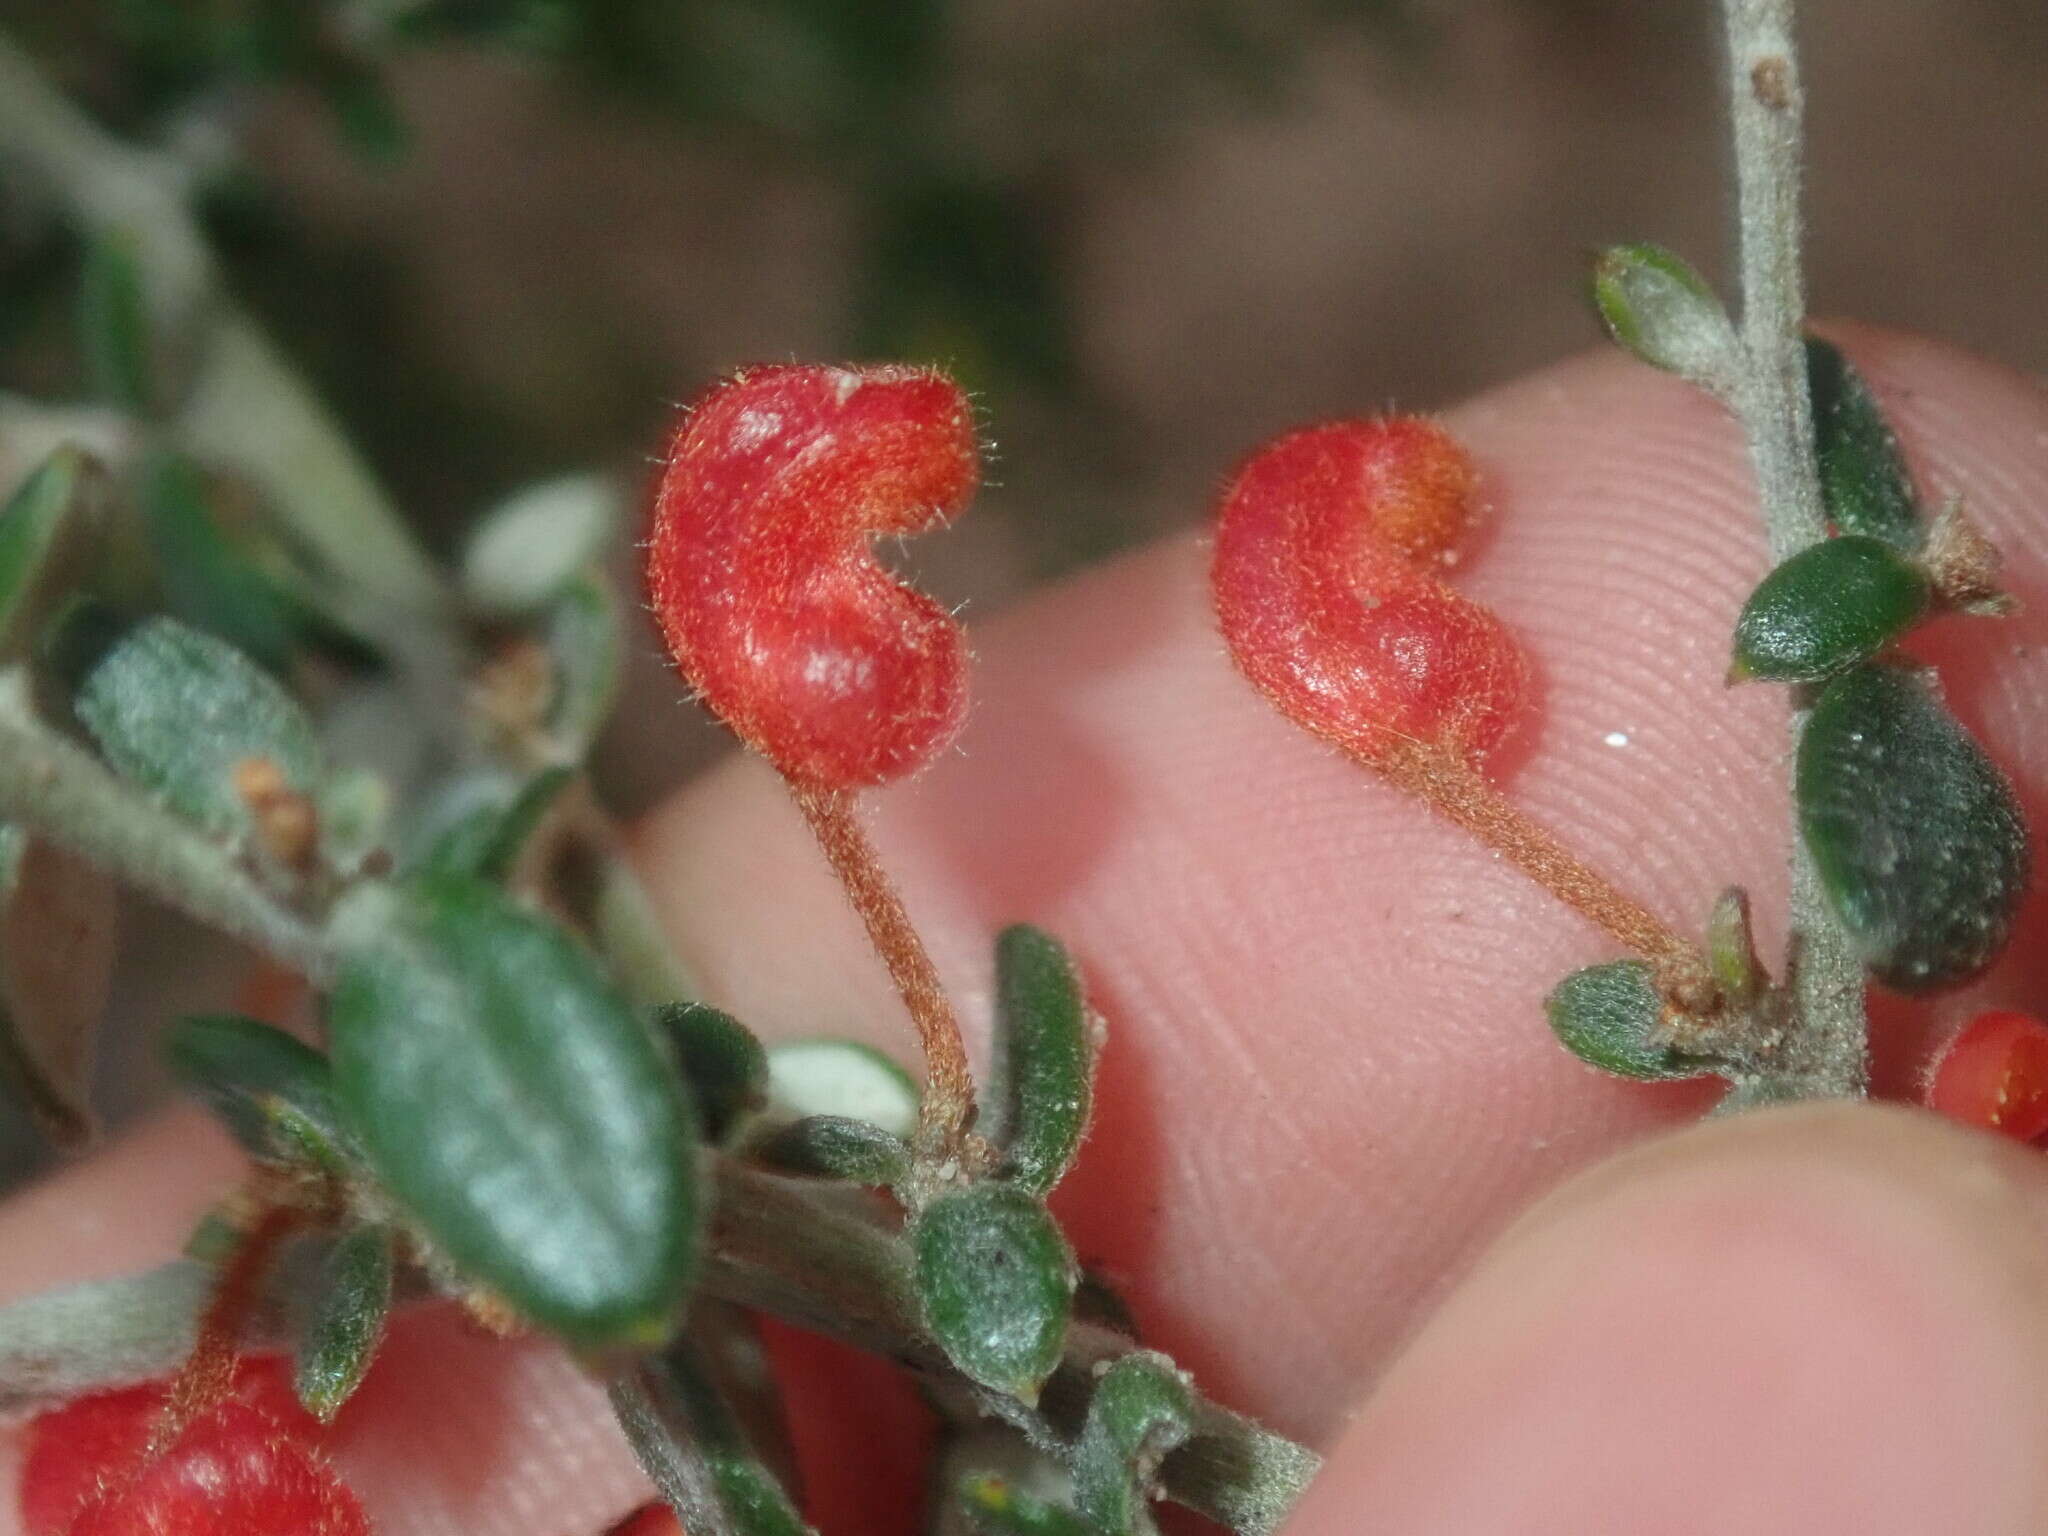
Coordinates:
<point>1994,1074</point>
<point>1328,548</point>
<point>649,1520</point>
<point>762,578</point>
<point>247,1465</point>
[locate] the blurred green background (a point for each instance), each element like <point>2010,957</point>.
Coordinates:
<point>503,237</point>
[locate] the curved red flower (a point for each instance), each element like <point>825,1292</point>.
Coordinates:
<point>1328,548</point>
<point>1994,1075</point>
<point>761,575</point>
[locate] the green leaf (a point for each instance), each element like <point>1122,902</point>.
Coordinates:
<point>581,633</point>
<point>113,323</point>
<point>270,1090</point>
<point>1830,607</point>
<point>355,813</point>
<point>834,1147</point>
<point>1141,1410</point>
<point>841,1077</point>
<point>1658,308</point>
<point>516,1107</point>
<point>486,842</point>
<point>56,967</point>
<point>177,711</point>
<point>996,1506</point>
<point>1863,477</point>
<point>531,547</point>
<point>1918,838</point>
<point>725,1066</point>
<point>347,1321</point>
<point>1731,947</point>
<point>48,531</point>
<point>1610,1016</point>
<point>208,580</point>
<point>1046,1045</point>
<point>996,1279</point>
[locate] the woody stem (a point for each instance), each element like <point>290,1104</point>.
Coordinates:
<point>948,1100</point>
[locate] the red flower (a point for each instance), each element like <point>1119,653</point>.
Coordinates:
<point>246,1467</point>
<point>1995,1075</point>
<point>768,595</point>
<point>1328,548</point>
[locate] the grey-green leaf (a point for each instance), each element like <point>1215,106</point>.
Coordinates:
<point>208,579</point>
<point>1141,1410</point>
<point>536,542</point>
<point>581,633</point>
<point>487,841</point>
<point>347,1322</point>
<point>996,1506</point>
<point>1045,1046</point>
<point>1609,1017</point>
<point>996,1281</point>
<point>1918,837</point>
<point>48,530</point>
<point>725,1066</point>
<point>1863,477</point>
<point>834,1147</point>
<point>1826,609</point>
<point>247,1072</point>
<point>178,711</point>
<point>1658,308</point>
<point>517,1108</point>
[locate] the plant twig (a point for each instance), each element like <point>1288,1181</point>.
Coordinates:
<point>948,1099</point>
<point>1827,1049</point>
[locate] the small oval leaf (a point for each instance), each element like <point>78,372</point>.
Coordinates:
<point>113,323</point>
<point>516,1107</point>
<point>725,1066</point>
<point>487,841</point>
<point>996,1281</point>
<point>48,531</point>
<point>347,1322</point>
<point>1863,478</point>
<point>208,579</point>
<point>834,1147</point>
<point>1918,838</point>
<point>179,712</point>
<point>1141,1410</point>
<point>581,633</point>
<point>1658,308</point>
<point>536,542</point>
<point>1609,1017</point>
<point>246,1072</point>
<point>1828,608</point>
<point>1045,1046</point>
<point>994,1505</point>
<point>57,933</point>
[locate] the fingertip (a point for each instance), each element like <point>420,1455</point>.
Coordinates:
<point>1808,1321</point>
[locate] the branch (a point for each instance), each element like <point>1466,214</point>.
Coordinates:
<point>1827,1052</point>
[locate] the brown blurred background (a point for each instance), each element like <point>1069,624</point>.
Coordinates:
<point>504,235</point>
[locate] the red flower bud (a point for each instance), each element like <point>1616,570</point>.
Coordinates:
<point>1995,1075</point>
<point>768,595</point>
<point>1325,578</point>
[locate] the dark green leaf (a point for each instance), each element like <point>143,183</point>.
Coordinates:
<point>996,1506</point>
<point>488,840</point>
<point>1609,1016</point>
<point>341,1336</point>
<point>1828,608</point>
<point>113,323</point>
<point>1045,1044</point>
<point>996,1280</point>
<point>1658,308</point>
<point>514,1104</point>
<point>1863,477</point>
<point>1918,838</point>
<point>1141,1410</point>
<point>56,964</point>
<point>725,1066</point>
<point>691,1443</point>
<point>208,580</point>
<point>834,1147</point>
<point>48,531</point>
<point>248,1074</point>
<point>178,711</point>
